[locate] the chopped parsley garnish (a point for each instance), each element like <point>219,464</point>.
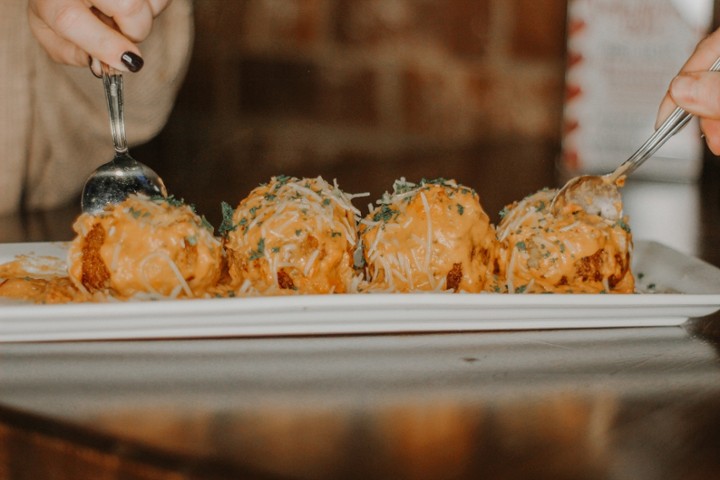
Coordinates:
<point>460,209</point>
<point>259,252</point>
<point>401,186</point>
<point>434,181</point>
<point>227,225</point>
<point>192,240</point>
<point>205,223</point>
<point>282,179</point>
<point>521,246</point>
<point>385,213</point>
<point>622,224</point>
<point>170,200</point>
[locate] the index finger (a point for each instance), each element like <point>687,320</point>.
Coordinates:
<point>134,18</point>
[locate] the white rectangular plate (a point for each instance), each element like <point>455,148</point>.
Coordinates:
<point>681,287</point>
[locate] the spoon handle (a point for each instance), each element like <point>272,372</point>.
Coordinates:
<point>673,124</point>
<point>113,83</point>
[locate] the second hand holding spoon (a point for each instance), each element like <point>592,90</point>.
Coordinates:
<point>114,181</point>
<point>599,194</point>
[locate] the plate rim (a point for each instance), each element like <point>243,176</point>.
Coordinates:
<point>317,314</point>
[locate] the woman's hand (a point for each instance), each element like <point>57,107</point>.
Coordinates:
<point>698,91</point>
<point>72,31</point>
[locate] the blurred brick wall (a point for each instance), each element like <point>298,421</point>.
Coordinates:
<point>305,86</point>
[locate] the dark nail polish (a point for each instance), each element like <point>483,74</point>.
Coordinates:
<point>132,61</point>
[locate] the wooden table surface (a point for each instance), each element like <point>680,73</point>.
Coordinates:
<point>635,403</point>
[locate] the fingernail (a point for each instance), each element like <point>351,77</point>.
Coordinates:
<point>132,61</point>
<point>682,88</point>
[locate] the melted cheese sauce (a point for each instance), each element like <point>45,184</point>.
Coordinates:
<point>38,280</point>
<point>432,236</point>
<point>304,236</point>
<point>294,236</point>
<point>146,247</point>
<point>569,253</point>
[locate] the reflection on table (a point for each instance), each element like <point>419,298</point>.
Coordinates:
<point>619,403</point>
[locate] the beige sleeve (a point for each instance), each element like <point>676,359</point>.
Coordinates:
<point>70,127</point>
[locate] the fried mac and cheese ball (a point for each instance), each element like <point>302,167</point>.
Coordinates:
<point>144,246</point>
<point>566,252</point>
<point>430,236</point>
<point>292,235</point>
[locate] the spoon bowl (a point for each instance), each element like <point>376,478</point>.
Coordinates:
<point>114,181</point>
<point>595,194</point>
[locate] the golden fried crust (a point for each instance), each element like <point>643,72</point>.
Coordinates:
<point>591,268</point>
<point>588,268</point>
<point>285,280</point>
<point>95,275</point>
<point>624,262</point>
<point>186,258</point>
<point>454,277</point>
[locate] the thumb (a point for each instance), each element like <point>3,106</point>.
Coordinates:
<point>698,93</point>
<point>666,107</point>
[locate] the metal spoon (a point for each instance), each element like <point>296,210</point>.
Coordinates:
<point>599,194</point>
<point>114,181</point>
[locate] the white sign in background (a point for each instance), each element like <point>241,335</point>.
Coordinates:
<point>626,53</point>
